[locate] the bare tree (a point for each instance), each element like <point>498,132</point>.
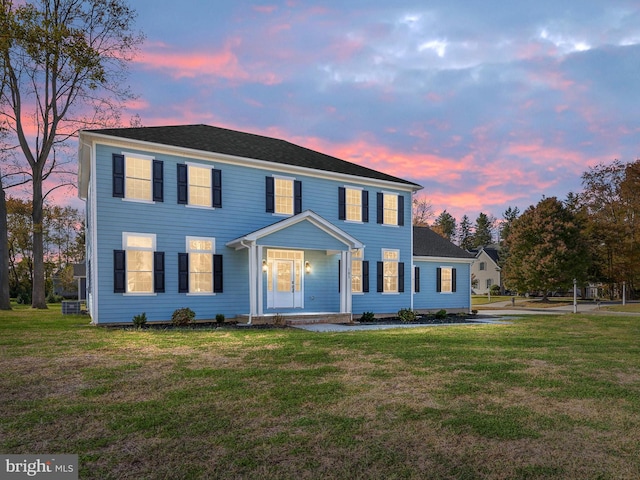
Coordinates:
<point>64,62</point>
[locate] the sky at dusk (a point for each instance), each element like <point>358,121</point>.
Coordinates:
<point>487,104</point>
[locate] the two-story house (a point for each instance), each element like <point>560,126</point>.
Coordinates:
<point>486,269</point>
<point>232,223</point>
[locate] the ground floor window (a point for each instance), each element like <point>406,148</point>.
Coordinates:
<point>200,252</point>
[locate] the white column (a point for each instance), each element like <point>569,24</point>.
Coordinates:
<point>261,274</point>
<point>252,281</point>
<point>345,279</point>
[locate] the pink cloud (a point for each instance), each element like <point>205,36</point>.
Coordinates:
<point>223,63</point>
<point>265,8</point>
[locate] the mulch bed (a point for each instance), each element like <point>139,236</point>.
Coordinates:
<point>421,320</point>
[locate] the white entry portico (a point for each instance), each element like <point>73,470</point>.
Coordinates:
<point>279,266</point>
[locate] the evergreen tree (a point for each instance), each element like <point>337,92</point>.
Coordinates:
<point>465,235</point>
<point>445,225</point>
<point>483,231</point>
<point>509,215</point>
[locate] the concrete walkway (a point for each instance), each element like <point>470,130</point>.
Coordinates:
<point>498,313</point>
<point>341,327</point>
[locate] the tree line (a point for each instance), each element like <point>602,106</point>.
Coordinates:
<point>64,241</point>
<point>591,237</point>
<point>63,66</point>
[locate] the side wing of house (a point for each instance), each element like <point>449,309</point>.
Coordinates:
<point>170,228</point>
<point>442,283</point>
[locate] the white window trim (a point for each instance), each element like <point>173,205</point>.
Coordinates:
<point>141,157</point>
<point>126,235</point>
<point>208,166</point>
<point>351,187</point>
<point>293,196</point>
<point>449,267</point>
<point>211,252</point>
<point>382,252</point>
<point>361,260</point>
<point>392,225</point>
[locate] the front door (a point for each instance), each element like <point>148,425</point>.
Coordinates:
<point>284,283</point>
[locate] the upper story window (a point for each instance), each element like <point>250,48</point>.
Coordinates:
<point>137,177</point>
<point>199,185</point>
<point>283,195</point>
<point>137,183</point>
<point>483,266</point>
<point>390,209</point>
<point>138,268</point>
<point>353,204</point>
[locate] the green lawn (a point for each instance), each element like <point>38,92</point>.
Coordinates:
<point>484,299</point>
<point>543,398</point>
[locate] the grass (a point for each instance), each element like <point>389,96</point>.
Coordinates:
<point>543,398</point>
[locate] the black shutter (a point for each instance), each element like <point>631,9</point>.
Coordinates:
<point>216,190</point>
<point>380,206</point>
<point>438,279</point>
<point>342,203</point>
<point>297,197</point>
<point>401,210</point>
<point>182,184</point>
<point>158,272</point>
<point>416,287</point>
<point>118,175</point>
<point>401,277</point>
<point>365,206</point>
<point>217,274</point>
<point>183,272</point>
<point>270,195</point>
<point>158,181</point>
<point>119,271</point>
<point>380,277</point>
<point>453,279</point>
<point>365,276</point>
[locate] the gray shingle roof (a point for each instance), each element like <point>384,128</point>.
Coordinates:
<point>427,243</point>
<point>246,145</point>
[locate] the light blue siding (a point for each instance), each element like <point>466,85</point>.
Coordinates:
<point>430,299</point>
<point>242,212</point>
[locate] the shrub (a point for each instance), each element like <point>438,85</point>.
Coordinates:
<point>279,320</point>
<point>220,318</point>
<point>367,317</point>
<point>183,316</point>
<point>139,320</point>
<point>53,298</point>
<point>441,313</point>
<point>407,315</point>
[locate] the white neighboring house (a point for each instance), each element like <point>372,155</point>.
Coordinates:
<point>485,269</point>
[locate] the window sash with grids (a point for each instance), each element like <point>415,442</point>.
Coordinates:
<point>283,196</point>
<point>200,252</point>
<point>390,207</point>
<point>139,263</point>
<point>353,203</point>
<point>199,186</point>
<point>138,180</point>
<point>357,271</point>
<point>390,260</point>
